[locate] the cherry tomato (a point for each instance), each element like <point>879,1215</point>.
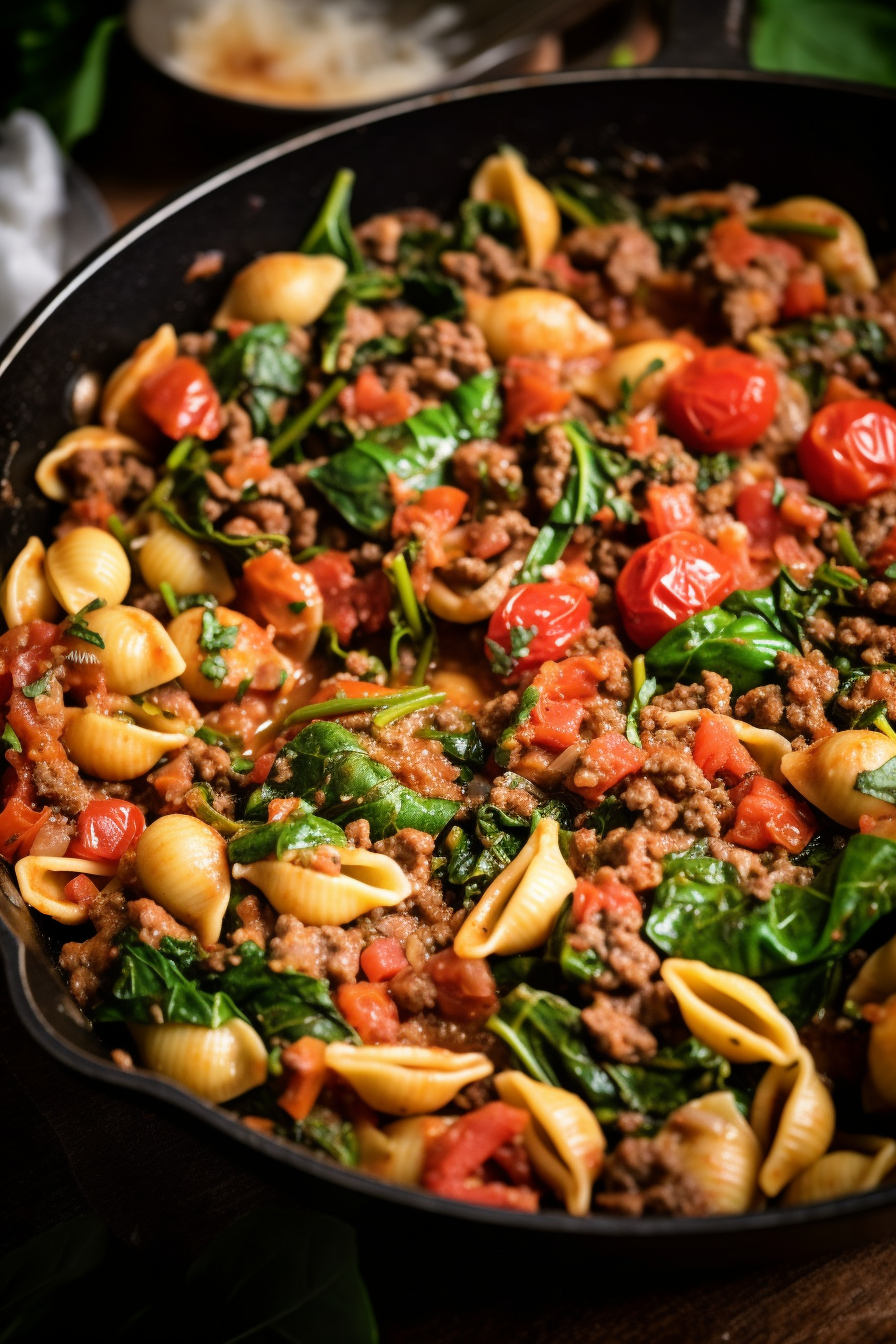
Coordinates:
<point>549,616</point>
<point>848,453</point>
<point>670,508</point>
<point>723,400</point>
<point>530,392</point>
<point>107,827</point>
<point>669,580</point>
<point>181,399</point>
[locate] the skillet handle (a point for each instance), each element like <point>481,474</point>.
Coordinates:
<point>704,35</point>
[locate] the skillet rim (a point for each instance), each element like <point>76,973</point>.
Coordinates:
<point>15,951</point>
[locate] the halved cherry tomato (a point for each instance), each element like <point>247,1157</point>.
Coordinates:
<point>552,613</point>
<point>465,986</point>
<point>273,583</point>
<point>670,508</point>
<point>606,760</point>
<point>182,399</point>
<point>371,397</point>
<point>724,400</point>
<point>589,898</point>
<point>305,1074</point>
<point>370,1011</point>
<point>804,292</point>
<point>848,453</point>
<point>754,508</point>
<point>382,959</point>
<point>718,751</point>
<point>19,824</point>
<point>107,828</point>
<point>768,815</point>
<point>455,1157</point>
<point>531,391</point>
<point>667,581</point>
<point>349,601</point>
<point>80,890</point>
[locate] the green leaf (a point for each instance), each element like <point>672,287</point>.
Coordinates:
<point>492,217</point>
<point>257,368</point>
<point>681,237</point>
<point>528,701</point>
<point>280,1003</point>
<point>840,39</point>
<point>675,1075</point>
<point>214,635</point>
<point>592,200</point>
<point>300,830</point>
<point>328,1131</point>
<point>640,700</point>
<point>465,748</point>
<point>879,783</point>
<point>10,737</point>
<point>433,292</point>
<point>151,977</point>
<point>214,669</point>
<point>742,648</point>
<point>38,687</point>
<point>714,468</point>
<point>331,231</point>
<point>78,628</point>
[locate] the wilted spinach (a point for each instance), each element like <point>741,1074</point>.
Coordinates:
<point>331,231</point>
<point>732,639</point>
<point>154,978</point>
<point>280,1003</point>
<point>258,369</point>
<point>681,237</point>
<point>800,341</point>
<point>300,830</point>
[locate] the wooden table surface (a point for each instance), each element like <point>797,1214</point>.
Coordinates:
<point>153,1174</point>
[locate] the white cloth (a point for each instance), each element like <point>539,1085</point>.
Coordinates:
<point>32,214</point>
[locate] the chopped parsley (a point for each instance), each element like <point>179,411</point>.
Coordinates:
<point>503,663</point>
<point>10,737</point>
<point>79,629</point>
<point>39,687</point>
<point>215,636</point>
<point>297,607</point>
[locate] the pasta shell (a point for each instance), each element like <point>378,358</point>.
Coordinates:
<point>41,880</point>
<point>215,1063</point>
<point>730,1013</point>
<point>563,1138</point>
<point>882,1057</point>
<point>793,1116</point>
<point>825,773</point>
<point>406,1079</point>
<point>25,594</point>
<point>282,287</point>
<point>252,656</point>
<point>138,653</point>
<point>765,746</point>
<point>503,177</point>
<point>119,408</point>
<point>628,367</point>
<point>536,322</point>
<point>96,438</point>
<point>844,259</point>
<point>169,556</point>
<point>113,749</point>
<point>366,880</point>
<point>876,980</point>
<point>478,605</point>
<point>397,1152</point>
<point>85,564</point>
<point>843,1172</point>
<point>182,864</point>
<point>718,1150</point>
<point>517,911</point>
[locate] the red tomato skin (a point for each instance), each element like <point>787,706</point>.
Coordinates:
<point>370,1011</point>
<point>723,401</point>
<point>19,824</point>
<point>80,890</point>
<point>718,751</point>
<point>107,828</point>
<point>559,611</point>
<point>768,815</point>
<point>271,582</point>
<point>182,399</point>
<point>556,724</point>
<point>465,986</point>
<point>383,959</point>
<point>610,758</point>
<point>590,898</point>
<point>848,453</point>
<point>667,581</point>
<point>805,293</point>
<point>386,407</point>
<point>349,601</point>
<point>530,392</point>
<point>472,1140</point>
<point>670,508</point>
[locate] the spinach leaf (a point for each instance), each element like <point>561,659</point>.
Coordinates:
<point>280,1003</point>
<point>327,1130</point>
<point>154,977</point>
<point>300,830</point>
<point>256,368</point>
<point>640,700</point>
<point>591,200</point>
<point>332,232</point>
<point>742,648</point>
<point>356,481</point>
<point>435,294</point>
<point>528,701</point>
<point>879,783</point>
<point>492,217</point>
<point>675,1075</point>
<point>714,468</point>
<point>577,965</point>
<point>800,342</point>
<point>466,748</point>
<point>681,237</point>
<point>360,288</point>
<point>802,993</point>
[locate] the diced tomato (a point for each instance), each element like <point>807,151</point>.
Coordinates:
<point>279,808</point>
<point>607,760</point>
<point>465,986</point>
<point>733,244</point>
<point>370,397</point>
<point>718,751</point>
<point>531,392</point>
<point>557,717</point>
<point>107,829</point>
<point>273,583</point>
<point>642,433</point>
<point>173,777</point>
<point>848,453</point>
<point>552,613</point>
<point>80,890</point>
<point>723,401</point>
<point>768,815</point>
<point>19,824</point>
<point>262,768</point>
<point>455,1157</point>
<point>350,602</point>
<point>667,581</point>
<point>182,399</point>
<point>754,508</point>
<point>842,389</point>
<point>804,292</point>
<point>439,509</point>
<point>246,465</point>
<point>305,1073</point>
<point>797,512</point>
<point>368,1008</point>
<point>670,508</point>
<point>556,723</point>
<point>382,959</point>
<point>590,898</point>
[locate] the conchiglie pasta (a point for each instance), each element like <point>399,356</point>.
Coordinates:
<point>94,438</point>
<point>137,652</point>
<point>880,1083</point>
<point>42,879</point>
<point>718,1150</point>
<point>366,880</point>
<point>793,1116</point>
<point>825,774</point>
<point>563,1139</point>
<point>85,564</point>
<point>628,367</point>
<point>251,657</point>
<point>119,408</point>
<point>730,1013</point>
<point>182,865</point>
<point>169,556</point>
<point>25,594</point>
<point>282,287</point>
<point>536,322</point>
<point>517,911</point>
<point>397,1152</point>
<point>876,979</point>
<point>844,1171</point>
<point>844,259</point>
<point>406,1079</point>
<point>503,177</point>
<point>215,1063</point>
<point>111,748</point>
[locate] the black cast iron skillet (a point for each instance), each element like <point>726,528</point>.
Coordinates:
<point>787,137</point>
